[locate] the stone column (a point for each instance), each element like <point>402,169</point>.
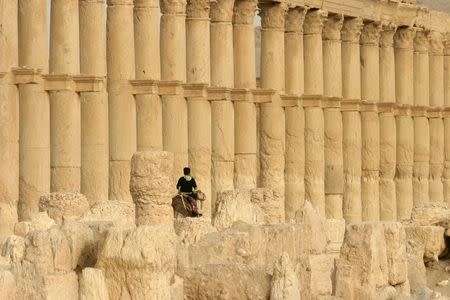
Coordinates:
<point>34,108</point>
<point>421,170</point>
<point>314,120</point>
<point>9,120</point>
<point>146,43</point>
<point>370,124</point>
<point>65,107</point>
<point>436,55</point>
<point>122,108</point>
<point>173,67</point>
<point>446,176</point>
<point>199,109</point>
<point>351,90</point>
<point>222,119</point>
<point>94,105</point>
<point>388,136</point>
<point>272,118</point>
<point>245,133</point>
<point>332,66</point>
<point>295,116</point>
<point>404,89</point>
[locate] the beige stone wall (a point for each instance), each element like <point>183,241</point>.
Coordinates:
<point>350,112</point>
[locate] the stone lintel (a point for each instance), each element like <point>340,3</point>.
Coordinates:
<point>263,95</point>
<point>403,110</point>
<point>290,100</point>
<point>348,105</point>
<point>144,87</point>
<point>369,106</point>
<point>170,88</point>
<point>312,101</point>
<point>446,112</point>
<point>386,107</point>
<point>331,102</point>
<point>88,83</point>
<point>195,90</point>
<point>435,112</point>
<point>241,95</point>
<point>219,94</point>
<point>26,75</point>
<point>58,82</point>
<point>419,111</point>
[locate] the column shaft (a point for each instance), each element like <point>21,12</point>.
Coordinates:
<point>351,73</point>
<point>388,204</point>
<point>34,108</point>
<point>332,68</point>
<point>245,133</point>
<point>94,105</point>
<point>173,67</point>
<point>314,120</point>
<point>199,109</point>
<point>295,116</point>
<point>404,88</point>
<point>9,119</point>
<point>446,175</point>
<point>122,108</point>
<point>146,42</point>
<point>370,124</point>
<point>65,106</point>
<point>421,170</point>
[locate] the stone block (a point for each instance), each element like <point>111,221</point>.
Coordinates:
<point>285,285</point>
<point>335,230</point>
<point>191,230</point>
<point>120,213</point>
<point>93,285</point>
<point>7,285</point>
<point>61,286</point>
<point>39,221</point>
<point>63,205</point>
<point>309,215</point>
<point>322,274</point>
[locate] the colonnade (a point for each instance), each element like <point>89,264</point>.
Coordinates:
<point>350,113</point>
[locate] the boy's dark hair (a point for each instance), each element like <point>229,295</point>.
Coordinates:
<point>186,171</point>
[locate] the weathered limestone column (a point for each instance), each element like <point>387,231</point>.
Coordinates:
<point>222,119</point>
<point>272,116</point>
<point>94,105</point>
<point>245,133</point>
<point>146,43</point>
<point>404,90</point>
<point>370,124</point>
<point>388,136</point>
<point>295,116</point>
<point>9,119</point>
<point>446,176</point>
<point>351,118</point>
<point>436,55</point>
<point>173,67</point>
<point>122,108</point>
<point>314,120</point>
<point>34,109</point>
<point>65,107</point>
<point>199,109</point>
<point>421,170</point>
<point>332,66</point>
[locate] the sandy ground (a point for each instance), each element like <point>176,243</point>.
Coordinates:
<point>438,272</point>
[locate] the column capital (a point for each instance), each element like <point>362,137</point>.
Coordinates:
<point>173,7</point>
<point>436,43</point>
<point>351,30</point>
<point>244,11</point>
<point>273,15</point>
<point>314,21</point>
<point>387,35</point>
<point>371,34</point>
<point>222,11</point>
<point>421,41</point>
<point>294,19</point>
<point>198,9</point>
<point>404,37</point>
<point>145,4</point>
<point>332,27</point>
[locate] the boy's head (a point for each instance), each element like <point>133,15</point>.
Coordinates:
<point>186,171</point>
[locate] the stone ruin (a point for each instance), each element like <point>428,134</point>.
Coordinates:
<point>319,131</point>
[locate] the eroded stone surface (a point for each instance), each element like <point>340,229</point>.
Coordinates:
<point>63,205</point>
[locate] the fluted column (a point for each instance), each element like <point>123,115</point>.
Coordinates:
<point>245,159</point>
<point>94,105</point>
<point>370,124</point>
<point>122,107</point>
<point>34,108</point>
<point>65,106</point>
<point>146,43</point>
<point>199,109</point>
<point>9,120</point>
<point>173,67</point>
<point>295,116</point>
<point>332,68</point>
<point>222,119</point>
<point>404,89</point>
<point>388,136</point>
<point>314,120</point>
<point>272,118</point>
<point>351,90</point>
<point>436,55</point>
<point>421,170</point>
<point>446,176</point>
